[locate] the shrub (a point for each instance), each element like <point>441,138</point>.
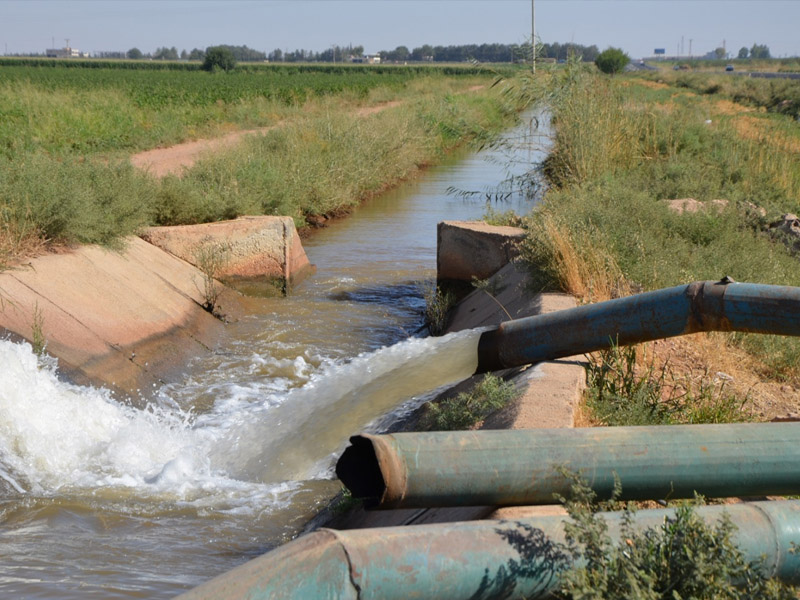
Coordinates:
<point>466,409</point>
<point>685,557</point>
<point>612,60</point>
<point>621,394</point>
<point>219,57</point>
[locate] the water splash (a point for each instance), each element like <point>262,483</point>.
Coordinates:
<point>295,437</point>
<point>55,436</point>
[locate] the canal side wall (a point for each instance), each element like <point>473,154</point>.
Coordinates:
<point>467,250</point>
<point>249,249</point>
<point>130,319</point>
<point>127,319</point>
<point>549,392</point>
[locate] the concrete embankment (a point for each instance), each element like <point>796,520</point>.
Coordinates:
<point>548,392</point>
<point>131,318</point>
<point>251,251</point>
<point>549,395</point>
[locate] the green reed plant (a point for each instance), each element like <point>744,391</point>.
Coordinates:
<point>438,303</point>
<point>211,257</point>
<point>468,408</point>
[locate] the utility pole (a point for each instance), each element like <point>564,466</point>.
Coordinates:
<point>533,36</point>
<point>681,45</point>
<point>690,47</point>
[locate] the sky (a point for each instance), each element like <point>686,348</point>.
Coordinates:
<point>636,26</point>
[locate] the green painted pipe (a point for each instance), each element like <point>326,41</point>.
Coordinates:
<point>471,560</point>
<point>515,467</point>
<point>701,306</point>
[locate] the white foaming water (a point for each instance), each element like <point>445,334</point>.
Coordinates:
<point>255,441</point>
<point>293,437</point>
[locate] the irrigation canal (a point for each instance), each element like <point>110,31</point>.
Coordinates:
<point>102,499</point>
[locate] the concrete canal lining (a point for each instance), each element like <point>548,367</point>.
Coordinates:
<point>549,391</point>
<point>132,318</point>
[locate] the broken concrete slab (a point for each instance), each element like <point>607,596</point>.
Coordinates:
<point>242,253</point>
<point>467,250</point>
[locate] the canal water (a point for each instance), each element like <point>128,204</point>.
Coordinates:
<point>102,499</point>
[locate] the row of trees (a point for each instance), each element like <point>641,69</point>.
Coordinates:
<point>426,52</point>
<point>239,53</point>
<point>487,52</point>
<point>333,54</point>
<point>757,51</point>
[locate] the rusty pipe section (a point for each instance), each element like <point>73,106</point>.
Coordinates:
<point>526,466</point>
<point>701,306</point>
<point>478,559</point>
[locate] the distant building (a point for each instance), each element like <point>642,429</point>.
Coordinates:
<point>66,52</point>
<point>371,59</point>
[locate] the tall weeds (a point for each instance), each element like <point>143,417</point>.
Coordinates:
<point>620,150</point>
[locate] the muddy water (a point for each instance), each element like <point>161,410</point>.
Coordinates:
<point>100,499</point>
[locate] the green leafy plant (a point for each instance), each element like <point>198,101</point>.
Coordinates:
<point>344,502</point>
<point>468,408</point>
<point>612,60</point>
<point>685,557</point>
<point>437,304</point>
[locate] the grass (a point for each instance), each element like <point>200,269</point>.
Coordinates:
<point>38,340</point>
<point>624,391</point>
<point>64,146</point>
<point>438,303</point>
<point>620,149</point>
<point>469,408</point>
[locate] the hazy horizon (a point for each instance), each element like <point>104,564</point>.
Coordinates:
<point>638,27</point>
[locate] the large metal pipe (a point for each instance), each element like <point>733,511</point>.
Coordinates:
<point>480,559</point>
<point>513,467</point>
<point>701,306</point>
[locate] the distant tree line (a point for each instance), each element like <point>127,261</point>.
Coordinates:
<point>488,52</point>
<point>240,54</point>
<point>493,53</point>
<point>757,51</point>
<point>333,54</point>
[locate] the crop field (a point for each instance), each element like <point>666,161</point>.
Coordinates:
<point>69,128</point>
<point>186,84</point>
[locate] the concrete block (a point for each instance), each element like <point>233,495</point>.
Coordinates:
<point>252,249</point>
<point>467,249</point>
